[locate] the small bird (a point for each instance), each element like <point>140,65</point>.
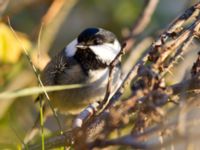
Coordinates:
<point>84,61</point>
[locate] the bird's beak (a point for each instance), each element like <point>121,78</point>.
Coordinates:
<point>81,46</point>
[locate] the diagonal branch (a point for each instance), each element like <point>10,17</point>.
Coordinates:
<point>141,23</point>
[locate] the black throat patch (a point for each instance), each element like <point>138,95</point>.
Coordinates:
<point>88,60</point>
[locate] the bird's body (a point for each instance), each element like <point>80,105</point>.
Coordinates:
<point>84,61</point>
<point>68,72</point>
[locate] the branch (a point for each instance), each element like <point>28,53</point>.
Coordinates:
<point>141,23</point>
<point>144,140</point>
<point>60,140</point>
<point>52,24</point>
<point>125,106</point>
<point>136,141</point>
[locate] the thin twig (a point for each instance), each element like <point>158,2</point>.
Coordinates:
<point>37,75</point>
<point>94,107</point>
<point>141,22</point>
<point>106,99</point>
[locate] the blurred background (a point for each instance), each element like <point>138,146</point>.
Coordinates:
<point>46,26</point>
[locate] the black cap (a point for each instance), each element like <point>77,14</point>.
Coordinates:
<point>96,36</point>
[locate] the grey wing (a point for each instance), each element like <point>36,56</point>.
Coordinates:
<point>62,70</point>
<point>53,68</point>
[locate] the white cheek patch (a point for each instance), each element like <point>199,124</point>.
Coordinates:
<point>70,49</point>
<point>107,51</point>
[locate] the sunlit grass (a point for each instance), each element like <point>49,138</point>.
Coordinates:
<point>36,90</point>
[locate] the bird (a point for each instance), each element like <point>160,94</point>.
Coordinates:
<point>83,61</point>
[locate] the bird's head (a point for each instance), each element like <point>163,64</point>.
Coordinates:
<point>95,47</point>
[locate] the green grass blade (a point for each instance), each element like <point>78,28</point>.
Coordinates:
<point>36,90</point>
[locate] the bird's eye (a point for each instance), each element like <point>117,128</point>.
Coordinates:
<point>98,41</point>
